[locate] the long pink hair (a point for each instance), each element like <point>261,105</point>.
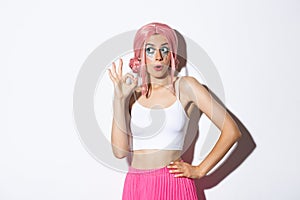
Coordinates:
<point>139,61</point>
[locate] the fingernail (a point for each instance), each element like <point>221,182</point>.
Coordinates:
<point>171,162</point>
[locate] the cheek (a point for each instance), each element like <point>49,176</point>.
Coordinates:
<point>167,59</point>
<point>149,56</point>
<point>148,60</point>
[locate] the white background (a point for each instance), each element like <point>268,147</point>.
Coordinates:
<point>253,44</point>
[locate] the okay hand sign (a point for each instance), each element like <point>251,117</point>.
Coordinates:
<point>121,88</point>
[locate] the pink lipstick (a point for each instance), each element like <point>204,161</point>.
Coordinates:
<point>158,67</point>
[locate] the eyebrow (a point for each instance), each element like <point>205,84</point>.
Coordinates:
<point>154,45</point>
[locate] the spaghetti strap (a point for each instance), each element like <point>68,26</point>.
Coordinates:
<point>177,92</point>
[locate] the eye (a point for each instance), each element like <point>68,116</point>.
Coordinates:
<point>150,51</point>
<point>164,50</point>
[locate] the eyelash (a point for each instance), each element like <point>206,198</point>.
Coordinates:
<point>163,50</point>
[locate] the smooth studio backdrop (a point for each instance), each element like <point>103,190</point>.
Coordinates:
<point>254,45</point>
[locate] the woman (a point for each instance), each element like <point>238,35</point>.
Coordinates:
<point>157,170</point>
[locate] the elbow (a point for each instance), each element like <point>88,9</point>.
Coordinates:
<point>233,133</point>
<point>237,134</point>
<point>120,153</point>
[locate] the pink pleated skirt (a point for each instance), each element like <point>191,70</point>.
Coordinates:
<point>157,184</point>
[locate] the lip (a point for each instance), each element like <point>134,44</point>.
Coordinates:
<point>158,67</point>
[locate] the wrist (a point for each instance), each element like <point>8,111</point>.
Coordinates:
<point>120,99</point>
<point>201,173</point>
<point>120,105</point>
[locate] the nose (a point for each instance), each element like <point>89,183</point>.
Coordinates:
<point>158,56</point>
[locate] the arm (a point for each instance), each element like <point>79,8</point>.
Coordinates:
<point>119,136</point>
<point>121,116</point>
<point>230,133</point>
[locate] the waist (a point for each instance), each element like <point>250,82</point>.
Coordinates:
<point>154,158</point>
<point>161,140</point>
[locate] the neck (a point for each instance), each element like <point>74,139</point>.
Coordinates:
<point>157,83</point>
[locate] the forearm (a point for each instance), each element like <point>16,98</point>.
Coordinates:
<point>229,135</point>
<point>119,136</point>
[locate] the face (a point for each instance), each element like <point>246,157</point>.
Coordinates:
<point>158,55</point>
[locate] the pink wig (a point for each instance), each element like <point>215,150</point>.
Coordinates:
<point>139,61</point>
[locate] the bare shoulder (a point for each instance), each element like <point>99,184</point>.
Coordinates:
<point>187,80</point>
<point>197,93</point>
<point>190,83</point>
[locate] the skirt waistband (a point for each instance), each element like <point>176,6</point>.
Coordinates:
<point>161,170</point>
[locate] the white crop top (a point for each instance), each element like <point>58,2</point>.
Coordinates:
<point>157,127</point>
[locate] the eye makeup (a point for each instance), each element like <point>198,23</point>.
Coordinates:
<point>150,51</point>
<point>164,50</point>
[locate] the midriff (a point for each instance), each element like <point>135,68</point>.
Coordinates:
<point>154,158</point>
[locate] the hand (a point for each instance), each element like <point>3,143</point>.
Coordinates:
<point>183,169</point>
<point>122,89</point>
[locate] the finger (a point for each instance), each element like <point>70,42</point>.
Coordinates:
<point>120,67</point>
<point>114,73</point>
<point>178,162</point>
<point>175,171</point>
<point>172,166</point>
<point>134,83</point>
<point>111,76</point>
<point>179,175</point>
<point>130,76</point>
